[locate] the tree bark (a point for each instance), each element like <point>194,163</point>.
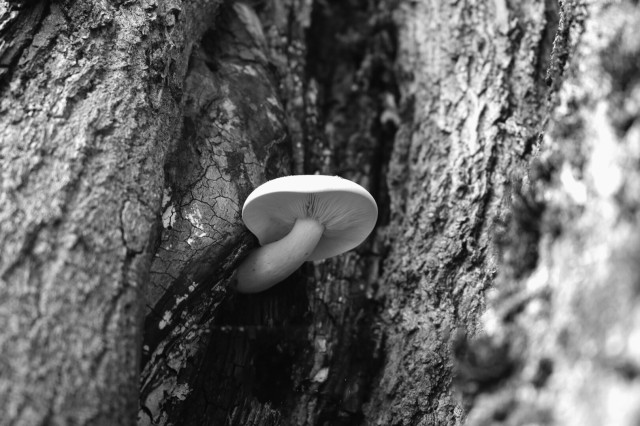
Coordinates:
<point>569,325</point>
<point>90,104</point>
<point>499,139</point>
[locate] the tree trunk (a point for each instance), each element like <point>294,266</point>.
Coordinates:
<point>499,139</point>
<point>90,105</point>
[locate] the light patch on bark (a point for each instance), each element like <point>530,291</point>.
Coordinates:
<point>166,319</point>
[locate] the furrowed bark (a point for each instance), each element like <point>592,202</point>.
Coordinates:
<point>265,358</point>
<point>89,107</point>
<point>569,324</point>
<point>475,97</point>
<point>498,138</point>
<point>232,140</point>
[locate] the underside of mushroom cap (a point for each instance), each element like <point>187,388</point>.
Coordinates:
<point>346,210</point>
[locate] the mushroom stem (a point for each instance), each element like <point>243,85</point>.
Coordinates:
<point>273,262</point>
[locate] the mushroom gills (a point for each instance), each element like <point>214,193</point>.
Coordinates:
<point>273,262</point>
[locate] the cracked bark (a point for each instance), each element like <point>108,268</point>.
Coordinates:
<point>133,131</point>
<point>90,100</point>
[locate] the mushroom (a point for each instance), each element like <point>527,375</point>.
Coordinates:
<point>300,218</point>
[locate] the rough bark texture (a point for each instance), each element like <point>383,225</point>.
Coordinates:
<point>293,354</point>
<point>569,326</point>
<point>476,94</point>
<point>500,140</point>
<point>90,104</point>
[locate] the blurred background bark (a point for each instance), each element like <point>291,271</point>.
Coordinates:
<point>500,140</point>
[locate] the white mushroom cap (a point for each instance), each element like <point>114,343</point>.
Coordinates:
<point>346,210</point>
